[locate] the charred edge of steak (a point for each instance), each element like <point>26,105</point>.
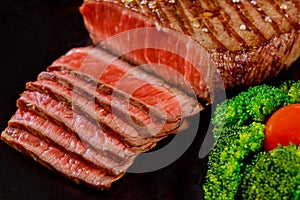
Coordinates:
<point>56,160</point>
<point>255,65</point>
<point>56,139</point>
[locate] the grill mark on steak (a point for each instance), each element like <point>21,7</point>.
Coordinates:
<point>56,159</point>
<point>163,15</point>
<point>296,3</point>
<point>271,10</point>
<point>169,17</point>
<point>183,19</point>
<point>224,18</point>
<point>171,13</point>
<point>131,114</point>
<point>226,33</point>
<point>258,16</point>
<point>284,14</point>
<point>220,19</point>
<point>56,136</point>
<point>166,12</point>
<point>108,121</point>
<point>206,23</point>
<point>187,18</point>
<point>263,15</point>
<point>238,8</point>
<point>99,139</point>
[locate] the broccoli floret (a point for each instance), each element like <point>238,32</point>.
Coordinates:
<point>273,175</point>
<point>254,105</point>
<point>286,85</point>
<point>292,89</point>
<point>227,159</point>
<point>239,131</point>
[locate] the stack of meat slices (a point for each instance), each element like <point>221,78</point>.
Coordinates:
<point>90,115</point>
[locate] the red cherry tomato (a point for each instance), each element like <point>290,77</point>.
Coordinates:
<point>283,127</point>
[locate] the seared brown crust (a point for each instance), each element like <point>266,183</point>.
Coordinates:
<point>253,65</point>
<point>249,40</point>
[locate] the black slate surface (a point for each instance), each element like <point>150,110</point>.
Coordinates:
<point>33,34</point>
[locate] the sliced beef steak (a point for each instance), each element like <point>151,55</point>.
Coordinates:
<point>128,112</point>
<point>56,159</point>
<point>248,41</point>
<point>90,133</point>
<point>57,136</point>
<point>91,114</point>
<point>116,77</point>
<point>129,135</point>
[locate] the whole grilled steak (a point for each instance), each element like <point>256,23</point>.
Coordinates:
<point>248,41</point>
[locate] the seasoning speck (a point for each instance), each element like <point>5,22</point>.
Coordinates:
<point>195,24</point>
<point>283,7</point>
<point>205,30</point>
<point>151,4</point>
<point>243,27</point>
<point>268,19</point>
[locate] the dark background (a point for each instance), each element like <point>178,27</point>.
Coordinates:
<point>33,34</point>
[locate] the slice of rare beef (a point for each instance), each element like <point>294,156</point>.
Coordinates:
<point>89,132</point>
<point>56,159</point>
<point>57,136</point>
<point>247,41</point>
<point>128,134</point>
<point>116,77</point>
<point>69,112</point>
<point>128,112</point>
